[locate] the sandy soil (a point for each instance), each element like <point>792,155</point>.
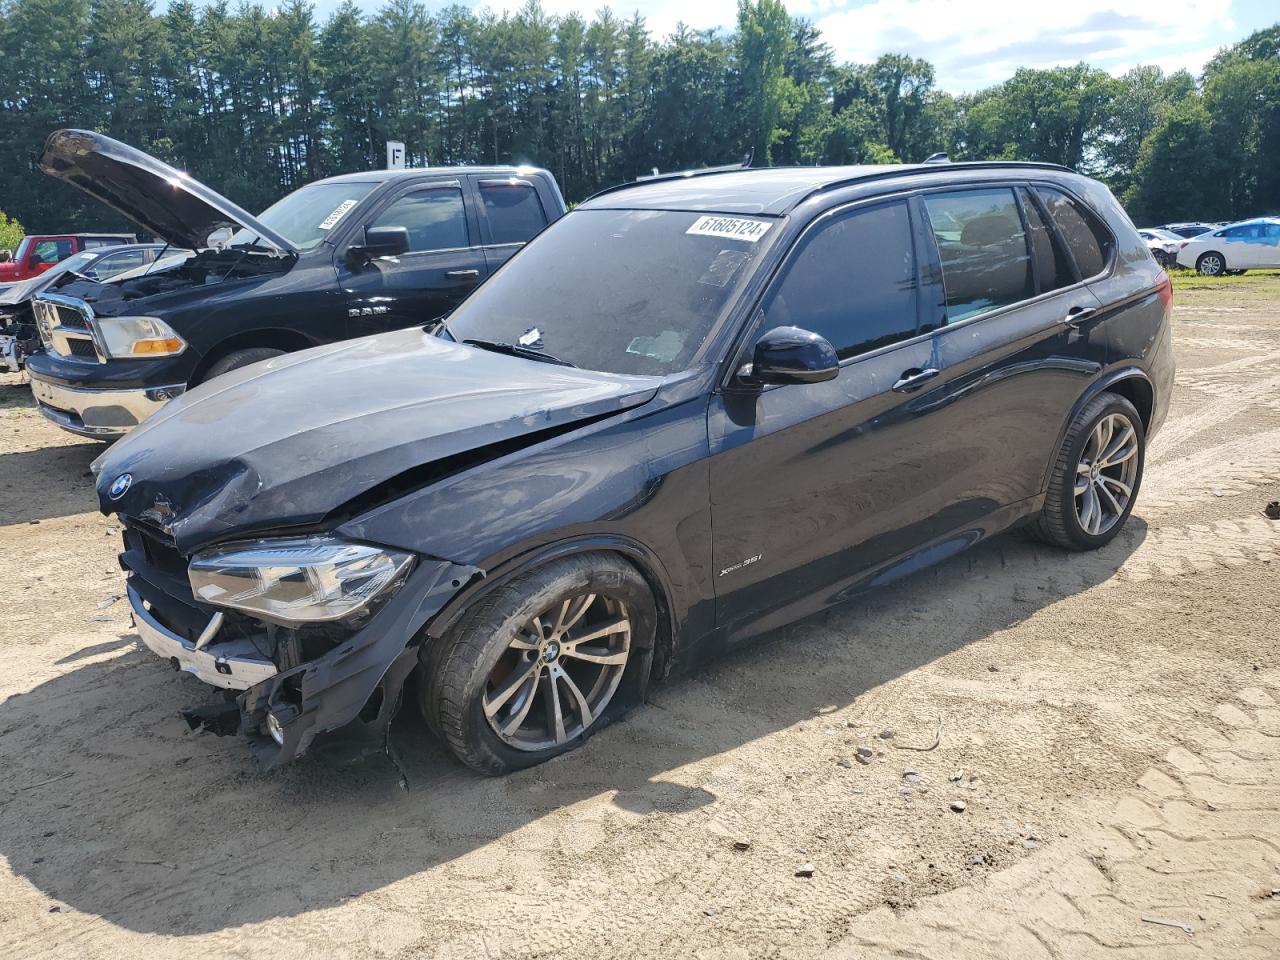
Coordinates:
<point>1111,723</point>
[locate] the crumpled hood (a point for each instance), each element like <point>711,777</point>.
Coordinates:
<point>285,442</point>
<point>176,208</point>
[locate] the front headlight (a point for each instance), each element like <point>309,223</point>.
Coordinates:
<point>298,579</point>
<point>128,337</point>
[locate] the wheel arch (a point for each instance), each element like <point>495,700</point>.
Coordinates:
<point>645,560</point>
<point>276,338</point>
<point>1213,251</point>
<point>1130,382</point>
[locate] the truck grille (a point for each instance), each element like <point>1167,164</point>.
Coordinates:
<point>67,327</point>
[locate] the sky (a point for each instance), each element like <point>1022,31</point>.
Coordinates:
<point>971,44</point>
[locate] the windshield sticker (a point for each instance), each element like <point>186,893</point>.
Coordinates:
<point>338,213</point>
<point>723,268</point>
<point>731,228</point>
<point>665,347</point>
<point>531,338</point>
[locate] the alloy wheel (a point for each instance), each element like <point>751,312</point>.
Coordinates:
<point>1211,265</point>
<point>559,672</point>
<point>1106,474</point>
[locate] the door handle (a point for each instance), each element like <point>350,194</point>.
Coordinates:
<point>459,274</point>
<point>1076,314</point>
<point>914,379</point>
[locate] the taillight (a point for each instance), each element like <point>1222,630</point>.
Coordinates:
<point>1165,293</point>
<point>1183,244</point>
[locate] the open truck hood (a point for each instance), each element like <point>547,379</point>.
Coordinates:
<point>287,442</point>
<point>165,201</point>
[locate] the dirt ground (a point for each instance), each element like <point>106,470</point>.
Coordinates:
<point>1111,723</point>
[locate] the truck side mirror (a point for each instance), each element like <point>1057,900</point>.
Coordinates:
<point>380,242</point>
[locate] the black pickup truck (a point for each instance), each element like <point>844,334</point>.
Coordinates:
<point>339,258</point>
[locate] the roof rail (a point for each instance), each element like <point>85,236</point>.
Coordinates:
<point>907,170</point>
<point>655,177</point>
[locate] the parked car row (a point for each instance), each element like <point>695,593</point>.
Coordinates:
<point>1217,249</point>
<point>38,253</point>
<point>691,410</point>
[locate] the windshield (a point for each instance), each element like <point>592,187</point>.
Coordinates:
<point>624,291</point>
<point>307,216</point>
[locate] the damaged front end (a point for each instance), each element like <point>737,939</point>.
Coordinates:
<point>287,682</point>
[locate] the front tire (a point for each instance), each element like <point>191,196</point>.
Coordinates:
<point>541,663</point>
<point>1096,475</point>
<point>239,358</point>
<point>1211,264</point>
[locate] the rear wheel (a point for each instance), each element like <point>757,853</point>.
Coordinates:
<point>1211,264</point>
<point>240,358</point>
<point>535,667</point>
<point>1095,477</point>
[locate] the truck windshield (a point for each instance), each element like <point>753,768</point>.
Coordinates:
<point>307,216</point>
<point>624,291</point>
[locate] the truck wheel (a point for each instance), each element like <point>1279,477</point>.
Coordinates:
<point>530,671</point>
<point>239,358</point>
<point>1095,477</point>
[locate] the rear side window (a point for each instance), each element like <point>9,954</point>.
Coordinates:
<point>852,281</point>
<point>52,251</point>
<point>435,219</point>
<point>515,213</point>
<point>1245,231</point>
<point>1052,268</point>
<point>983,248</point>
<point>1084,235</point>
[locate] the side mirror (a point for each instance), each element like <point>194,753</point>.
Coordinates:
<point>792,355</point>
<point>381,242</point>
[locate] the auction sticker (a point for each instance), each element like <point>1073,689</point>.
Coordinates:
<point>338,212</point>
<point>730,228</point>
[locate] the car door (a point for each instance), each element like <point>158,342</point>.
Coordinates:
<point>511,214</point>
<point>444,262</point>
<point>1237,244</point>
<point>803,476</point>
<point>1269,249</point>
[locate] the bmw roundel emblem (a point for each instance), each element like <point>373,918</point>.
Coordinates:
<point>120,486</point>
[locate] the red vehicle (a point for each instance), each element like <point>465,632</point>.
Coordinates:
<point>37,253</point>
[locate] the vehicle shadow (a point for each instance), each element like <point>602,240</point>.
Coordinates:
<point>111,807</point>
<point>47,482</point>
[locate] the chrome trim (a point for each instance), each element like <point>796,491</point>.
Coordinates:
<point>236,666</point>
<point>57,336</point>
<point>96,412</point>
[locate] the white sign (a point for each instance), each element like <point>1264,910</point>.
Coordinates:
<point>338,212</point>
<point>730,228</point>
<point>395,155</point>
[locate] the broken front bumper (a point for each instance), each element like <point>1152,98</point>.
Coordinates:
<point>234,666</point>
<point>354,688</point>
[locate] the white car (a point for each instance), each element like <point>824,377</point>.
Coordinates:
<point>1247,245</point>
<point>1163,244</point>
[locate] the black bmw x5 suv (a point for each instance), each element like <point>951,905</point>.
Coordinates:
<point>690,411</point>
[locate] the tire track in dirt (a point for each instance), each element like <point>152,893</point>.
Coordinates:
<point>1196,838</point>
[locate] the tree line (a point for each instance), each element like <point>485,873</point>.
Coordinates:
<point>257,102</point>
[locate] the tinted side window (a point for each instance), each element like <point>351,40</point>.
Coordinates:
<point>1053,269</point>
<point>52,251</point>
<point>435,219</point>
<point>985,264</point>
<point>852,281</point>
<point>1243,232</point>
<point>1085,237</point>
<point>515,213</point>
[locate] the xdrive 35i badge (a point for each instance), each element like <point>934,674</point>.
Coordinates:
<point>120,486</point>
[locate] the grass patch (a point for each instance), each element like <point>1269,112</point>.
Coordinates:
<point>1190,280</point>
